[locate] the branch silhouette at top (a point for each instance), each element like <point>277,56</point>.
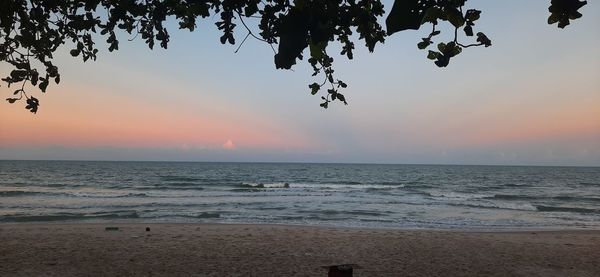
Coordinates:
<point>32,30</point>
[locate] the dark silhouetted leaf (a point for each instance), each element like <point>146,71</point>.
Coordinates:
<point>405,15</point>
<point>468,30</point>
<point>472,15</point>
<point>562,11</point>
<point>483,39</point>
<point>44,84</point>
<point>293,40</point>
<point>423,44</point>
<point>433,55</point>
<point>32,104</point>
<point>342,98</point>
<point>314,88</point>
<point>455,17</point>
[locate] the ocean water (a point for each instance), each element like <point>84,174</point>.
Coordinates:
<point>352,195</point>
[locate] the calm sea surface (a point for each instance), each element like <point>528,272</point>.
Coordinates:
<point>359,195</point>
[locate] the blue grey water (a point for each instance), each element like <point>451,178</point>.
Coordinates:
<point>353,195</point>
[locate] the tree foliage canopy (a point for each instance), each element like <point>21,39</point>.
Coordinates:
<point>31,31</point>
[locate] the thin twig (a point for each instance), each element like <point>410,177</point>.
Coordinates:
<point>238,49</point>
<point>252,34</point>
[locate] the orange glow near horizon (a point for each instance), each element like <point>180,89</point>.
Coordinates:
<point>137,124</point>
<point>574,121</point>
<point>116,121</point>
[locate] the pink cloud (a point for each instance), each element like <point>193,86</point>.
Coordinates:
<point>229,145</point>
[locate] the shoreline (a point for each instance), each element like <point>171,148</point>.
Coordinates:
<point>207,249</point>
<point>476,229</point>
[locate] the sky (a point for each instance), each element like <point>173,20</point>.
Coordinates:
<point>533,98</point>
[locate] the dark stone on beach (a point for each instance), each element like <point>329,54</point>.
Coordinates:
<point>147,229</point>
<point>340,271</point>
<point>344,270</point>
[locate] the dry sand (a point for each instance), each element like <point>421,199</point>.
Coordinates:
<point>268,250</point>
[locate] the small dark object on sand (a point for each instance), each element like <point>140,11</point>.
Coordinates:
<point>111,229</point>
<point>147,229</point>
<point>342,270</point>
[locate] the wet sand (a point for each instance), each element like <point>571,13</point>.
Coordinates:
<point>84,249</point>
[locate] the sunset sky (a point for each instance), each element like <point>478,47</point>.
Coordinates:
<point>532,98</point>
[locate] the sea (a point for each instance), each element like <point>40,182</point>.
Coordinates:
<point>342,195</point>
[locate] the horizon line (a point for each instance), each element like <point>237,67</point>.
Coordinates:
<point>302,162</point>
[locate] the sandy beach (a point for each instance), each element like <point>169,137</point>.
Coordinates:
<point>278,250</point>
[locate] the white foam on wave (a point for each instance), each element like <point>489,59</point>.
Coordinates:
<point>345,186</point>
<point>458,195</point>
